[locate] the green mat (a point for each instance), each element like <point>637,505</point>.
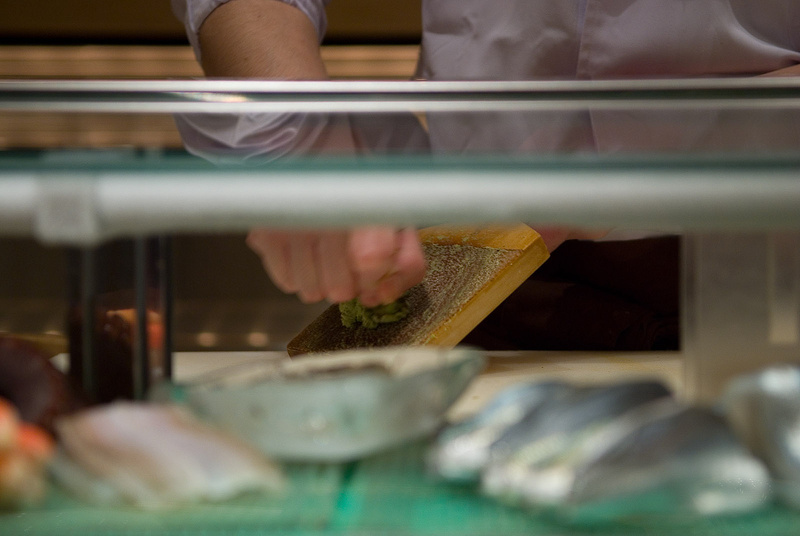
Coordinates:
<point>388,494</point>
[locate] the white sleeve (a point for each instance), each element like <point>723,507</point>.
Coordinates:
<point>193,12</point>
<point>234,138</point>
<point>238,137</point>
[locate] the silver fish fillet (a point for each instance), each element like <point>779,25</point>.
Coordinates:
<point>554,426</point>
<point>461,450</point>
<point>764,410</point>
<point>662,458</point>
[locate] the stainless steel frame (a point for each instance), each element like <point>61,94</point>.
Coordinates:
<point>85,208</point>
<point>62,205</point>
<point>237,96</point>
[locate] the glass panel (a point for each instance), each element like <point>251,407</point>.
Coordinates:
<point>85,162</point>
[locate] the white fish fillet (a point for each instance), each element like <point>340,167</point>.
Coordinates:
<point>157,455</point>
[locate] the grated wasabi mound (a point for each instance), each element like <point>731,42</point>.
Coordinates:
<point>353,312</point>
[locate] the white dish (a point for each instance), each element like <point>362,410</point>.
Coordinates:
<point>338,406</point>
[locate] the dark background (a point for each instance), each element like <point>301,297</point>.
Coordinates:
<point>151,21</point>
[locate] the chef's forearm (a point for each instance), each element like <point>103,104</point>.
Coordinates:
<point>260,39</point>
<point>794,70</point>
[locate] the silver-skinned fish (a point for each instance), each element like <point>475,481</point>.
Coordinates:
<point>662,458</point>
<point>461,450</point>
<point>764,410</point>
<point>554,427</point>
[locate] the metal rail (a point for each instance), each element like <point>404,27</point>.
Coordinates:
<point>239,96</point>
<point>85,204</point>
<point>95,204</point>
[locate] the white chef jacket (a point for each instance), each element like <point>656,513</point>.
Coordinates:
<point>532,39</point>
<point>584,39</point>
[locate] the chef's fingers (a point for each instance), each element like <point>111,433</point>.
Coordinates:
<point>304,263</point>
<point>376,264</point>
<point>410,260</point>
<point>408,270</point>
<point>337,280</point>
<point>555,236</point>
<point>273,249</point>
<point>371,251</point>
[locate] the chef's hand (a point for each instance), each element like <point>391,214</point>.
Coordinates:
<point>374,264</point>
<point>555,236</point>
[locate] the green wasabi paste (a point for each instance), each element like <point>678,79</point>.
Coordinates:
<point>370,317</point>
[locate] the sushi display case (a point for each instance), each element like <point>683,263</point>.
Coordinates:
<point>714,161</point>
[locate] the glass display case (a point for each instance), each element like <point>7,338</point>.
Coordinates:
<point>715,162</point>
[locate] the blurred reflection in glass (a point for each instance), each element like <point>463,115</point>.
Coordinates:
<point>478,40</point>
<point>271,136</point>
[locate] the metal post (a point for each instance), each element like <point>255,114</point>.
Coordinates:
<point>88,294</point>
<point>141,353</point>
